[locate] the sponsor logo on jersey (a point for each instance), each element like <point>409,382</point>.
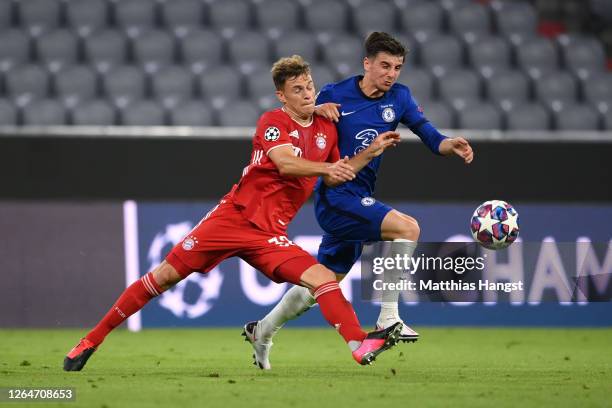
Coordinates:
<point>321,141</point>
<point>343,113</point>
<point>367,201</point>
<point>294,133</point>
<point>388,115</point>
<point>365,137</point>
<point>272,134</point>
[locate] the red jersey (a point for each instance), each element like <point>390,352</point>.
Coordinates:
<point>264,197</point>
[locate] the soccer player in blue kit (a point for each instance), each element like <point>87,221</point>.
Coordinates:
<point>362,107</point>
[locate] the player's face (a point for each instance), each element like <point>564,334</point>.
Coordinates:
<point>298,95</point>
<point>383,70</point>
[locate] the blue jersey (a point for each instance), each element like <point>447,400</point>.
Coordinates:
<point>364,118</point>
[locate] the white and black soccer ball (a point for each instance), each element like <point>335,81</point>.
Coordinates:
<point>495,224</point>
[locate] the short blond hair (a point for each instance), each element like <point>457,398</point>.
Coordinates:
<point>288,68</point>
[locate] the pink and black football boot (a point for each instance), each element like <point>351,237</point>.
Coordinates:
<point>376,342</point>
<point>78,356</point>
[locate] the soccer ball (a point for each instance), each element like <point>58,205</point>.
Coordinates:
<point>495,224</point>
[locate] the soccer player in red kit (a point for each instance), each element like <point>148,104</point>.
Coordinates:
<point>291,148</point>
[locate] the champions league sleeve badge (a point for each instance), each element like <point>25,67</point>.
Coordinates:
<point>272,134</point>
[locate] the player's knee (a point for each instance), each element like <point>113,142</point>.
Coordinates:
<point>165,275</point>
<point>408,228</point>
<point>317,275</point>
<point>324,276</point>
<point>399,226</point>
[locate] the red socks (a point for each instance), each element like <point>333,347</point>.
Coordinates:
<point>338,311</point>
<point>131,300</point>
<point>335,308</point>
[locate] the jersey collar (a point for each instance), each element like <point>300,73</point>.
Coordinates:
<point>358,78</point>
<point>295,121</point>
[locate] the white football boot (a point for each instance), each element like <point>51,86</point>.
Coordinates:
<point>261,350</point>
<point>407,335</point>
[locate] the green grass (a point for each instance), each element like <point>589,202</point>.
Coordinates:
<point>313,368</point>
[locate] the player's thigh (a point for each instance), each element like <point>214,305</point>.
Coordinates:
<point>338,255</point>
<point>166,275</point>
<point>211,241</point>
<point>397,225</point>
<point>352,218</point>
<point>280,260</point>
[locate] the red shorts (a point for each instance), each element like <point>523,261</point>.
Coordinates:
<point>224,233</point>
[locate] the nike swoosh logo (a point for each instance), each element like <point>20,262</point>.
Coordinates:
<point>347,113</point>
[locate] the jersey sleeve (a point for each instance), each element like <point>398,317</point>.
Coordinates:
<point>326,94</point>
<point>416,121</point>
<point>272,133</point>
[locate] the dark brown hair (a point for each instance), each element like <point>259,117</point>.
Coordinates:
<point>288,68</point>
<point>383,42</point>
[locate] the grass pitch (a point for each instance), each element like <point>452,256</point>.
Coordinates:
<point>313,368</point>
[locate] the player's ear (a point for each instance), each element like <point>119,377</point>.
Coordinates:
<point>366,64</point>
<point>281,96</point>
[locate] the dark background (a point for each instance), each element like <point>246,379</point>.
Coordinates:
<point>193,169</point>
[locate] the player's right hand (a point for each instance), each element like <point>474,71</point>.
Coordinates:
<point>340,171</point>
<point>384,141</point>
<point>329,111</point>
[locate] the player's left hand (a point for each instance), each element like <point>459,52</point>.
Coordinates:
<point>328,111</point>
<point>458,146</point>
<point>340,171</point>
<point>384,141</point>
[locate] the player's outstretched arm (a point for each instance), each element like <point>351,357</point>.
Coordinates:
<point>375,149</point>
<point>290,165</point>
<point>360,160</point>
<point>457,146</point>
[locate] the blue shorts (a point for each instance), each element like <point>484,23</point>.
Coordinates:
<point>349,220</point>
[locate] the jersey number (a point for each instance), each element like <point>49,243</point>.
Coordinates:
<point>282,241</point>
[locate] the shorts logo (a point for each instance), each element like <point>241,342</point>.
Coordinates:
<point>321,141</point>
<point>388,115</point>
<point>272,134</point>
<point>367,201</point>
<point>189,243</point>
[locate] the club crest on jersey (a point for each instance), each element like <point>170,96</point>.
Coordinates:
<point>321,141</point>
<point>367,201</point>
<point>388,115</point>
<point>272,134</point>
<point>189,243</point>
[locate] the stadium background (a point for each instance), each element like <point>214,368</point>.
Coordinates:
<point>113,112</point>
